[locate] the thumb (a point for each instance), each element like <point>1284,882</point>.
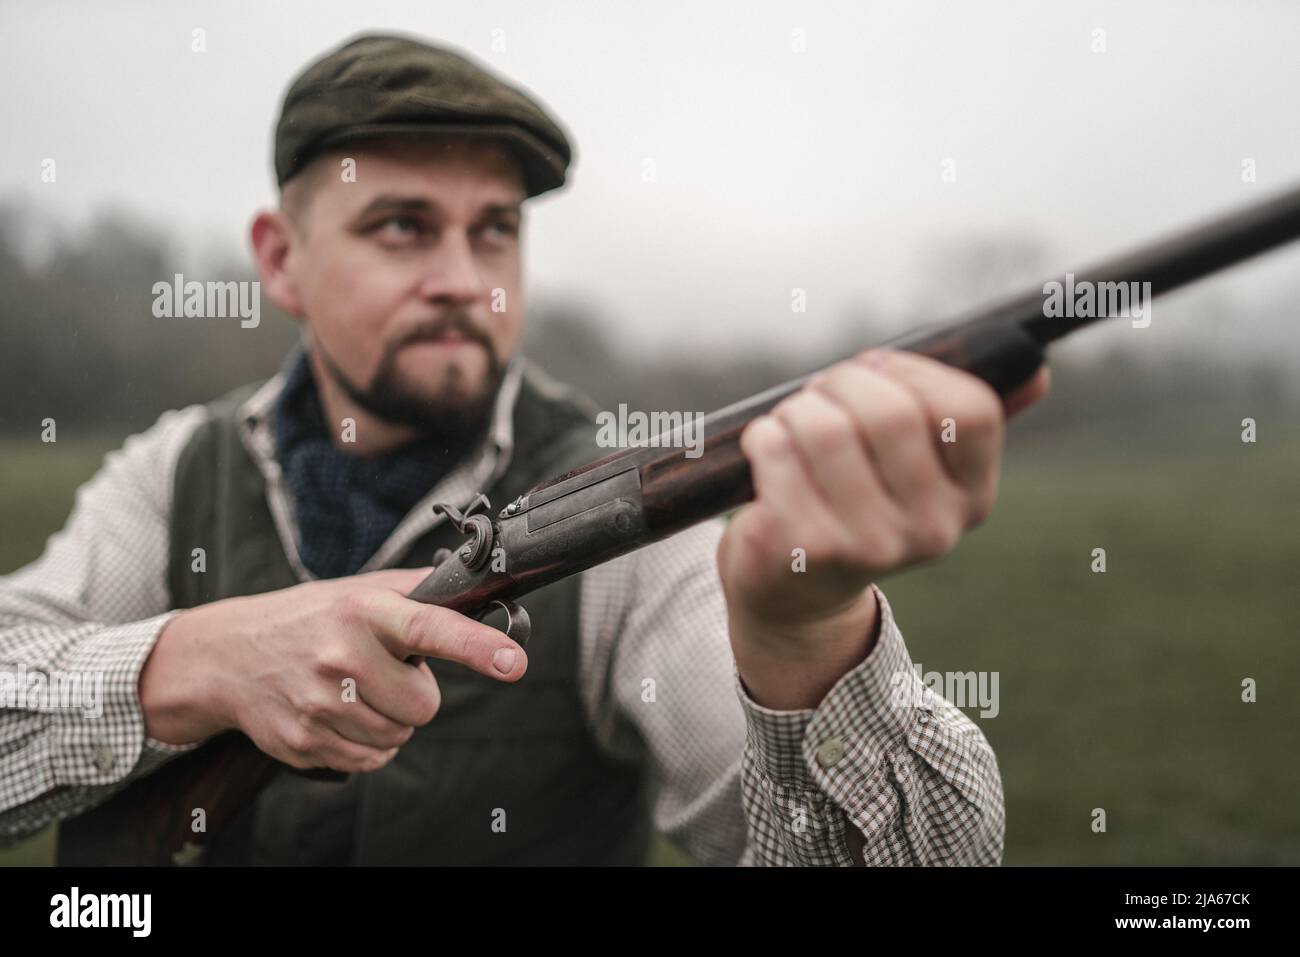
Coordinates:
<point>1023,396</point>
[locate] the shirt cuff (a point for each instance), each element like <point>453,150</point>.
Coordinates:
<point>104,741</point>
<point>869,710</point>
<point>849,746</point>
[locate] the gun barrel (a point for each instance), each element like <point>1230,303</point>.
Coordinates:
<point>1164,264</point>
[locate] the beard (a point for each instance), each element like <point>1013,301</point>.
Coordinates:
<point>458,412</point>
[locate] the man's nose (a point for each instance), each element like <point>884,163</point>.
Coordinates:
<point>451,273</point>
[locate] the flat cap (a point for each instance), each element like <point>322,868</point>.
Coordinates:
<point>379,85</point>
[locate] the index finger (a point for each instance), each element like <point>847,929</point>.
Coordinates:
<point>408,627</point>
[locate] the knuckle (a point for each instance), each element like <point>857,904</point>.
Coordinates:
<point>936,536</point>
<point>820,379</point>
<point>379,759</point>
<point>845,378</point>
<point>465,642</point>
<point>819,552</point>
<point>333,657</point>
<point>849,558</point>
<point>882,551</point>
<point>839,547</point>
<point>830,430</point>
<point>312,709</point>
<point>371,760</point>
<point>897,418</point>
<point>402,736</point>
<point>982,502</point>
<point>782,409</point>
<point>300,739</point>
<point>419,621</point>
<point>345,761</point>
<point>438,630</point>
<point>295,759</point>
<point>348,606</point>
<point>927,546</point>
<point>763,437</point>
<point>756,529</point>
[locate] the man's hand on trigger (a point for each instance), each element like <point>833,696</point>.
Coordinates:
<point>315,675</point>
<point>880,463</point>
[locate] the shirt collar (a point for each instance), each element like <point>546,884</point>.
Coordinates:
<point>475,473</point>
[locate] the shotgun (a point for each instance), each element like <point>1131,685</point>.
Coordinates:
<point>637,496</point>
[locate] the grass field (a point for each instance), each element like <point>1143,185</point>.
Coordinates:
<point>1119,691</point>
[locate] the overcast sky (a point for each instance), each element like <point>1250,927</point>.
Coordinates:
<point>776,168</point>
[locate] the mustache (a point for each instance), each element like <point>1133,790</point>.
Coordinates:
<point>458,323</point>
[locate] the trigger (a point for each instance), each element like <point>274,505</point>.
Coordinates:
<point>518,625</point>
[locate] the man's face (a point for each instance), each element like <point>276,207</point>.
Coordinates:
<point>409,277</point>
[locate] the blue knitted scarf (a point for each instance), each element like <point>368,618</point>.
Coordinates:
<point>346,505</point>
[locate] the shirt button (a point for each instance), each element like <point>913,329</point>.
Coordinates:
<point>103,758</point>
<point>830,752</point>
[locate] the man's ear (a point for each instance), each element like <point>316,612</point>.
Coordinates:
<point>272,236</point>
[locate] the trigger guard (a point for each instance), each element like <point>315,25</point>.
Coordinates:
<point>518,625</point>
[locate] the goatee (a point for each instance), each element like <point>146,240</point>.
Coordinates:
<point>458,414</point>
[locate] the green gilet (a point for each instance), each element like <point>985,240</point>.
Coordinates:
<point>503,774</point>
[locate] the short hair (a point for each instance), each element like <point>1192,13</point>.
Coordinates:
<point>297,193</point>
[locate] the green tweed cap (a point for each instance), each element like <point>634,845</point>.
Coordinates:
<point>390,85</point>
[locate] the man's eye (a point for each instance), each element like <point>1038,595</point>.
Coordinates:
<point>399,226</point>
<point>502,229</point>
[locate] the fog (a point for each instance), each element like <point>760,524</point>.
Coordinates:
<point>792,147</point>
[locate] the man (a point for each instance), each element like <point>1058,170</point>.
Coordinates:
<point>243,565</point>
